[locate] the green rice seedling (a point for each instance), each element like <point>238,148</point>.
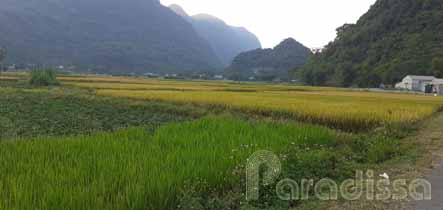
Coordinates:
<point>138,170</point>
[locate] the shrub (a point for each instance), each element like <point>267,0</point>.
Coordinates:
<point>44,77</point>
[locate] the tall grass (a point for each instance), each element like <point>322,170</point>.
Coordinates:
<point>137,170</point>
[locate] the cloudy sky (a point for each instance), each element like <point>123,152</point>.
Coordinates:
<point>312,22</point>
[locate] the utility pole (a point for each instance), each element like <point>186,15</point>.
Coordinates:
<point>3,54</point>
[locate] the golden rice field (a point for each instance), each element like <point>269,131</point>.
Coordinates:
<point>340,108</point>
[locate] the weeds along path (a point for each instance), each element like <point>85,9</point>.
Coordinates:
<point>431,136</point>
<point>424,162</point>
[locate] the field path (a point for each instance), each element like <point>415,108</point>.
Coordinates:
<point>432,137</point>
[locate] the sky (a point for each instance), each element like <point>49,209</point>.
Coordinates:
<point>311,22</point>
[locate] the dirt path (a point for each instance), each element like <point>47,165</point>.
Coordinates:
<point>431,136</point>
<point>436,178</point>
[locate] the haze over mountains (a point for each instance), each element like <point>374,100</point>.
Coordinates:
<point>226,41</point>
<point>109,36</point>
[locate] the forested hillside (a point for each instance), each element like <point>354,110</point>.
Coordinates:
<point>111,36</point>
<point>269,64</point>
<point>393,39</point>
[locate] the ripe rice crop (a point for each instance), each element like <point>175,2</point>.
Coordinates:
<point>346,109</point>
<point>125,83</point>
<point>339,109</point>
<point>8,78</point>
<point>135,170</point>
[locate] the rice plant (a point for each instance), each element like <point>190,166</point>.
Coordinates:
<point>137,170</point>
<point>348,111</point>
<point>338,108</point>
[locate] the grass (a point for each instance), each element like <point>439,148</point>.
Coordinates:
<point>134,169</point>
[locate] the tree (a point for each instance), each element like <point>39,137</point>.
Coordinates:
<point>437,67</point>
<point>3,54</point>
<point>393,39</point>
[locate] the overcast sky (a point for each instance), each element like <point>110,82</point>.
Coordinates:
<point>312,22</point>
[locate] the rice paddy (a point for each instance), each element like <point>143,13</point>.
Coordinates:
<point>337,108</point>
<point>134,169</point>
<point>105,143</point>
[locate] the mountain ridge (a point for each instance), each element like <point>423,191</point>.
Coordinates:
<point>269,64</point>
<point>106,36</point>
<point>226,41</point>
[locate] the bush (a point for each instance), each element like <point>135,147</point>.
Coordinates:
<point>44,77</point>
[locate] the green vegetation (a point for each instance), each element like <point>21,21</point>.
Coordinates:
<point>55,112</point>
<point>132,169</point>
<point>393,39</point>
<point>437,67</point>
<point>43,77</point>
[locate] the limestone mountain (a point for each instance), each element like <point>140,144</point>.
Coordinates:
<point>112,36</point>
<point>393,39</point>
<point>269,64</point>
<point>226,41</point>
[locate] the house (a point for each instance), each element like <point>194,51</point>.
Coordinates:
<point>218,77</point>
<point>415,83</point>
<point>437,85</point>
<point>12,67</point>
<point>151,75</point>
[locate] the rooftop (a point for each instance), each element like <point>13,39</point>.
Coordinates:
<point>421,77</point>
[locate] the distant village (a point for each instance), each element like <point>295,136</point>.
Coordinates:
<point>411,83</point>
<point>73,69</point>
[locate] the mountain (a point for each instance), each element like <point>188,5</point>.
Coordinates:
<point>269,64</point>
<point>226,41</point>
<point>110,36</point>
<point>393,39</point>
